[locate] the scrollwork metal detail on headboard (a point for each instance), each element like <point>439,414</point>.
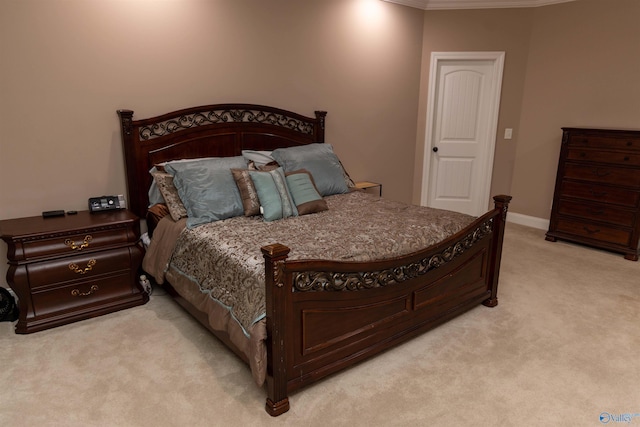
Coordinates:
<point>354,281</point>
<point>203,118</point>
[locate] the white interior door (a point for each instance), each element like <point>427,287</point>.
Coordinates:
<point>462,118</point>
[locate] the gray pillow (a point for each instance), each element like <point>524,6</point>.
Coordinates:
<point>207,188</point>
<point>259,158</point>
<point>154,194</point>
<point>320,161</point>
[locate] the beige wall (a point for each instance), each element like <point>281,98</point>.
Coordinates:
<point>570,64</point>
<point>505,30</point>
<point>583,70</point>
<point>67,65</point>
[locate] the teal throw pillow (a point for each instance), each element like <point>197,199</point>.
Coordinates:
<point>304,192</point>
<point>275,199</point>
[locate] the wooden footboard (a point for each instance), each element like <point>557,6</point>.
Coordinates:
<point>325,316</point>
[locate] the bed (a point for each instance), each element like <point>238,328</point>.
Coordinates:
<point>320,314</point>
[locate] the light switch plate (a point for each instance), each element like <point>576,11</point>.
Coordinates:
<point>508,133</point>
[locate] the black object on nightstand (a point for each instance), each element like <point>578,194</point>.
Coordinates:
<point>70,268</point>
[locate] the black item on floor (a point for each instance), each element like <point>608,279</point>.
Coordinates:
<point>8,307</point>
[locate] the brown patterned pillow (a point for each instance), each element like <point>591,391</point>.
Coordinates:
<point>250,201</point>
<point>164,181</point>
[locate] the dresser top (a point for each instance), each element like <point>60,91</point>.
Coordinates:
<point>611,131</point>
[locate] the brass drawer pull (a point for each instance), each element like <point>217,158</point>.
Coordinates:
<point>590,231</point>
<point>74,267</point>
<point>84,244</point>
<point>77,293</point>
<point>600,172</point>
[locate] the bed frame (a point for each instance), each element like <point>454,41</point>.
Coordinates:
<point>322,316</point>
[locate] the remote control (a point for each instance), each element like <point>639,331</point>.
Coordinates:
<point>51,214</point>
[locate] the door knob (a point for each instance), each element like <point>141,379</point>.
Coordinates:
<point>435,149</point>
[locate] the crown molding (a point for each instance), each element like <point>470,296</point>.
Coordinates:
<point>474,4</point>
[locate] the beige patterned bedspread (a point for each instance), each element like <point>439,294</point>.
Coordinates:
<point>224,259</point>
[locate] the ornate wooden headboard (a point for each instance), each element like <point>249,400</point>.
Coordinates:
<point>220,130</point>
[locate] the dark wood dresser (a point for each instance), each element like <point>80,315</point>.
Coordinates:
<point>597,194</point>
<point>73,267</point>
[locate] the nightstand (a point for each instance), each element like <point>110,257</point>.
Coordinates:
<point>366,185</point>
<point>73,267</point>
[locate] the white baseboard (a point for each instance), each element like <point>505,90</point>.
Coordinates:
<point>529,221</point>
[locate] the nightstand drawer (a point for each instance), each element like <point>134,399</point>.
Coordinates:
<point>596,232</point>
<point>597,212</point>
<point>81,267</point>
<point>73,296</point>
<point>68,244</point>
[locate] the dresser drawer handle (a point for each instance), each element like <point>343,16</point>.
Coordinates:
<point>627,158</point>
<point>596,211</point>
<point>77,293</point>
<point>590,231</point>
<point>84,244</point>
<point>74,267</point>
<point>600,172</point>
<point>598,193</point>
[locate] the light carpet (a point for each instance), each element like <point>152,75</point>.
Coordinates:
<point>562,348</point>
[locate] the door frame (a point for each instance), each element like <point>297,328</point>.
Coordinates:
<point>498,66</point>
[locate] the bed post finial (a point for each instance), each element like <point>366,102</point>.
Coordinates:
<point>277,301</point>
<point>319,131</point>
<point>126,116</point>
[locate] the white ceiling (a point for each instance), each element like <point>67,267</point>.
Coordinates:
<point>474,4</point>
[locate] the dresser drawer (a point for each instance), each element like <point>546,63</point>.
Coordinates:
<point>67,244</point>
<point>603,174</point>
<point>596,232</point>
<point>600,193</point>
<point>80,294</point>
<point>79,267</point>
<point>613,157</point>
<point>597,212</point>
<point>631,142</point>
